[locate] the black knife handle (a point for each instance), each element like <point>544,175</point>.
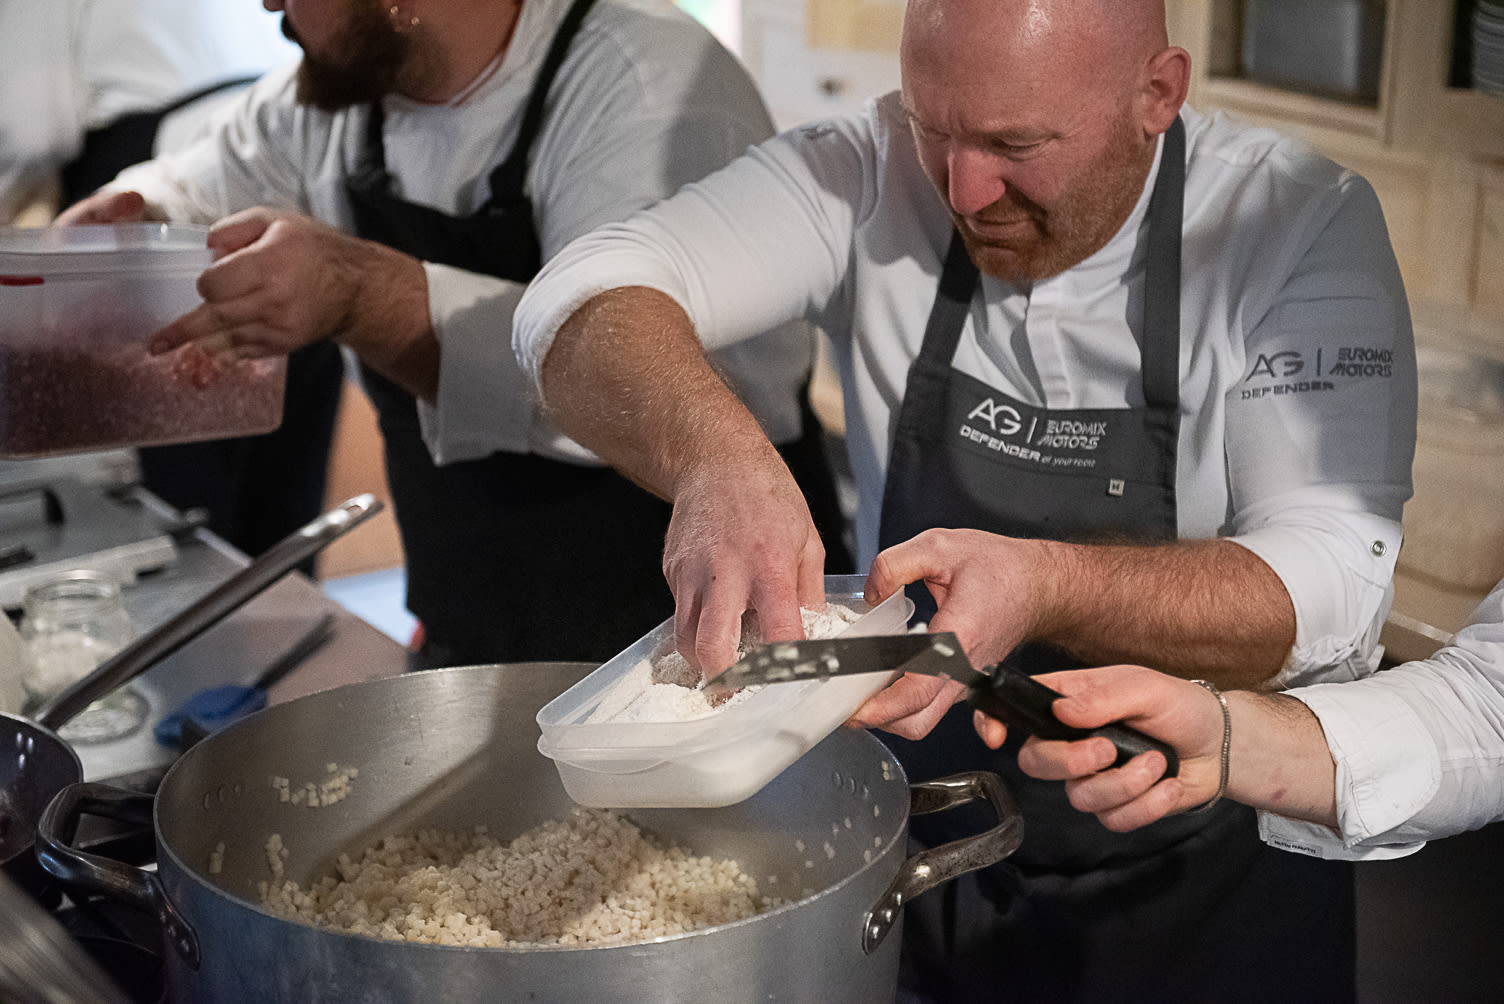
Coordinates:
<point>1023,702</point>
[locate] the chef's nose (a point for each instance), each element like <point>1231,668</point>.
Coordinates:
<point>273,5</point>
<point>976,180</point>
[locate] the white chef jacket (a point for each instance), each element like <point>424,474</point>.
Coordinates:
<point>644,101</point>
<point>1297,370</point>
<point>1419,749</point>
<point>69,66</point>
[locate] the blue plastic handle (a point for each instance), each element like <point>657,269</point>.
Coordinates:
<point>209,711</point>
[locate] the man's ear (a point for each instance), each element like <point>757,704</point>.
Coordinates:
<point>1167,77</point>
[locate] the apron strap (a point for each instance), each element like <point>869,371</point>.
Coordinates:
<point>369,173</point>
<point>507,180</point>
<point>1161,355</point>
<point>510,175</point>
<point>958,283</point>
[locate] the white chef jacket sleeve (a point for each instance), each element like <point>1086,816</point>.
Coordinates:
<point>758,243</point>
<point>484,401</point>
<point>44,115</point>
<point>1419,749</point>
<point>628,126</point>
<point>253,157</point>
<point>1321,433</point>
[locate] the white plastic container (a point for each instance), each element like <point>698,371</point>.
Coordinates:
<point>77,306</point>
<point>717,760</point>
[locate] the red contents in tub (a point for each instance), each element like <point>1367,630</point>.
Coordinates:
<point>90,384</point>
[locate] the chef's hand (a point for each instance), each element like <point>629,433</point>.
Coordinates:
<point>990,590</point>
<point>741,538</point>
<point>281,280</point>
<point>1177,711</point>
<point>107,207</point>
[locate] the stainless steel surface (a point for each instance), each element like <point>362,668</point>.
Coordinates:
<point>816,658</point>
<point>452,749</point>
<point>929,868</point>
<point>64,523</point>
<point>236,650</point>
<point>171,635</point>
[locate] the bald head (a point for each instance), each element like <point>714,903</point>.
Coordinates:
<point>1101,45</point>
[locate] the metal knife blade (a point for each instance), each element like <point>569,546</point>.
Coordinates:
<point>1001,691</point>
<point>817,658</point>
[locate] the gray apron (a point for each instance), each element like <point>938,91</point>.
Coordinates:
<point>1191,908</point>
<point>517,557</point>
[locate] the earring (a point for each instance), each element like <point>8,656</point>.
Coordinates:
<point>395,12</point>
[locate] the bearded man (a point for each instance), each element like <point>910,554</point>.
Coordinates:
<point>395,193</point>
<point>1115,334</point>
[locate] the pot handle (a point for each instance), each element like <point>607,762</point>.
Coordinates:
<point>931,867</point>
<point>91,873</point>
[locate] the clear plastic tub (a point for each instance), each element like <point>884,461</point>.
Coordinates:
<point>716,760</point>
<point>77,305</point>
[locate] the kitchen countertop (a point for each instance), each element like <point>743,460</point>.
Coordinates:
<point>238,648</point>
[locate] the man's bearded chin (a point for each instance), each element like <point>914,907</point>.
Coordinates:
<point>371,56</point>
<point>332,88</point>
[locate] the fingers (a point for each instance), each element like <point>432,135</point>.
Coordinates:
<point>715,635</point>
<point>1130,796</point>
<point>993,732</point>
<point>239,231</point>
<point>811,572</point>
<point>895,568</point>
<point>1122,798</point>
<point>232,278</point>
<point>108,207</point>
<point>910,707</point>
<point>1054,760</point>
<point>227,332</point>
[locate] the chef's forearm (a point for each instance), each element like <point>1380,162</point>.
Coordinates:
<point>1207,609</point>
<point>1279,760</point>
<point>388,323</point>
<point>627,377</point>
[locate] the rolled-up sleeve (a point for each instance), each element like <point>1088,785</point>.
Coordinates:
<point>1418,749</point>
<point>1321,430</point>
<point>485,400</point>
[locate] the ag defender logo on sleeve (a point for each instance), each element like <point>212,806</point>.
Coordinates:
<point>1275,374</point>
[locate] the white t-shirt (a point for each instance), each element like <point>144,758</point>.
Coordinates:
<point>1419,749</point>
<point>1297,369</point>
<point>69,66</point>
<point>644,101</point>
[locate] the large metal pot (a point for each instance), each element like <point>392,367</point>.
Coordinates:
<point>456,748</point>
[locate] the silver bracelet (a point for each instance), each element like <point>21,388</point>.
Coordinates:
<point>1226,749</point>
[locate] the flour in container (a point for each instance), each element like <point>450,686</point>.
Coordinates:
<point>667,689</point>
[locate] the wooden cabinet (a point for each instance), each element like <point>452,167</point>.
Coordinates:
<point>1422,100</point>
<point>1433,150</point>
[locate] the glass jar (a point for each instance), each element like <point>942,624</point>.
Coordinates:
<point>70,624</point>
